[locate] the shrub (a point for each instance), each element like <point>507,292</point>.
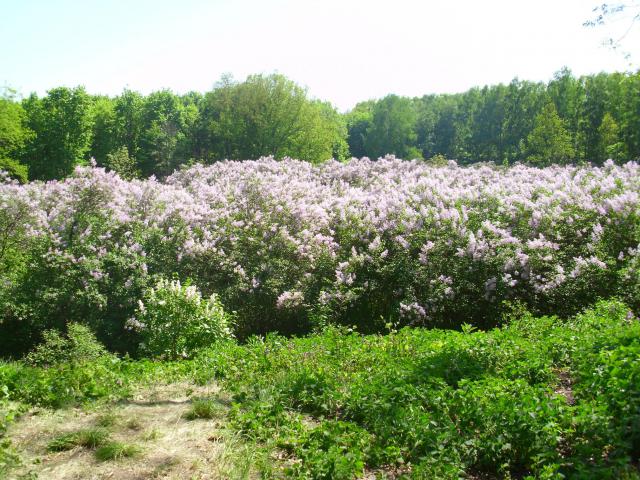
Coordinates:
<point>175,320</point>
<point>79,345</point>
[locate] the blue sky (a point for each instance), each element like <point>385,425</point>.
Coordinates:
<point>343,51</point>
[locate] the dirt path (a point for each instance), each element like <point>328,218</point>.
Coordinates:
<point>169,445</point>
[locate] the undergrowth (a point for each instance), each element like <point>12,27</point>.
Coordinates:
<point>538,398</point>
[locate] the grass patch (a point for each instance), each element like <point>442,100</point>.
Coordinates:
<point>133,424</point>
<point>116,451</point>
<point>90,438</point>
<point>107,419</point>
<point>203,408</point>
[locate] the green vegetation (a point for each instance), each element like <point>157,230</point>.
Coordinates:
<point>206,408</point>
<point>586,119</point>
<point>537,398</point>
<point>90,438</point>
<point>116,451</point>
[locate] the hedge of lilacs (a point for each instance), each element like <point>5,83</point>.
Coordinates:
<point>289,246</point>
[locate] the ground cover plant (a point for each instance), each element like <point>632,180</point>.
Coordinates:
<point>539,398</point>
<point>289,247</point>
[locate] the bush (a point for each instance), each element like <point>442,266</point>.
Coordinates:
<point>175,320</point>
<point>79,345</point>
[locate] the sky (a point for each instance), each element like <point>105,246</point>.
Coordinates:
<point>343,51</point>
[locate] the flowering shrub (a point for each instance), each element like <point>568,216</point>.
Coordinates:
<point>175,320</point>
<point>364,243</point>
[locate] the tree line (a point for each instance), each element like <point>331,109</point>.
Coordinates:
<point>568,119</point>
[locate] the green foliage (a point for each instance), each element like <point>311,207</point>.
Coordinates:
<point>13,130</point>
<point>205,408</point>
<point>79,345</point>
<point>120,162</point>
<point>175,321</point>
<point>64,384</point>
<point>392,128</point>
<point>443,404</point>
<point>610,144</point>
<point>116,451</point>
<point>269,115</point>
<point>62,124</point>
<point>15,169</point>
<point>596,119</point>
<point>549,142</point>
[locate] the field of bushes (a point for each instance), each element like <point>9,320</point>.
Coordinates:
<point>288,246</point>
<point>368,319</point>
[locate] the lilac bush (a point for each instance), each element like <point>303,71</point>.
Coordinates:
<point>284,243</point>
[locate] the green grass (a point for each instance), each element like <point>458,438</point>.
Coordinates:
<point>116,451</point>
<point>107,419</point>
<point>89,438</point>
<point>203,408</point>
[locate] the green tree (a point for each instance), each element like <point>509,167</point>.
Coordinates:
<point>549,142</point>
<point>128,121</point>
<point>393,128</point>
<point>610,145</point>
<point>358,121</point>
<point>104,138</point>
<point>62,124</point>
<point>163,144</point>
<point>14,134</point>
<point>120,162</point>
<point>269,115</point>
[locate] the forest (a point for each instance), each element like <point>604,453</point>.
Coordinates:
<point>566,120</point>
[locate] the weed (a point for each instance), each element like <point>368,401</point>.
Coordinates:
<point>116,451</point>
<point>90,438</point>
<point>204,408</point>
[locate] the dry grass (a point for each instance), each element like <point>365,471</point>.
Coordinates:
<point>153,423</point>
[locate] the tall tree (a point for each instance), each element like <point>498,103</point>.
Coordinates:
<point>163,140</point>
<point>269,115</point>
<point>62,124</point>
<point>14,134</point>
<point>103,140</point>
<point>549,142</point>
<point>358,121</point>
<point>393,128</point>
<point>610,144</point>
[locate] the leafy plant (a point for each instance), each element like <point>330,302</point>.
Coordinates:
<point>77,346</point>
<point>175,321</point>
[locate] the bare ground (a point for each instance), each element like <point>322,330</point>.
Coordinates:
<point>170,446</point>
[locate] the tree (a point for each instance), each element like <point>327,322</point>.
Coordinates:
<point>120,162</point>
<point>392,129</point>
<point>13,136</point>
<point>62,124</point>
<point>358,121</point>
<point>610,145</point>
<point>104,138</point>
<point>549,142</point>
<point>269,115</point>
<point>163,144</point>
